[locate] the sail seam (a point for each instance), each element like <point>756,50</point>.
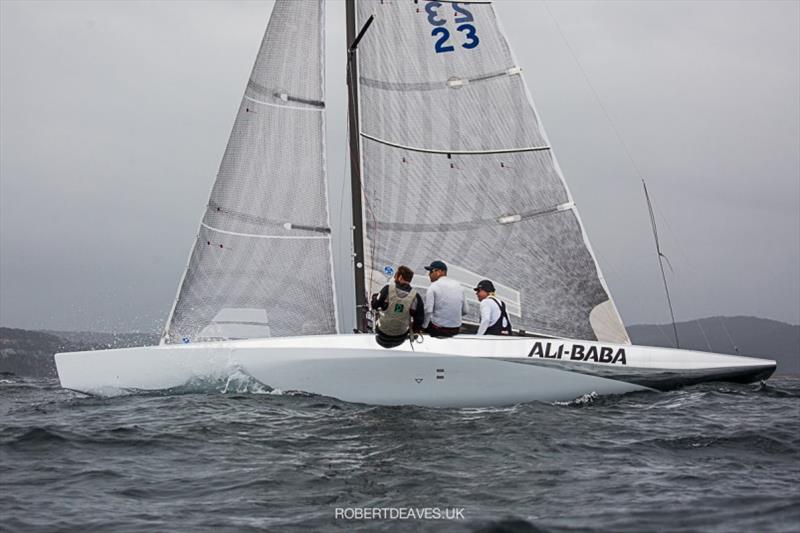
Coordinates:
<point>456,152</point>
<point>257,236</point>
<point>317,109</point>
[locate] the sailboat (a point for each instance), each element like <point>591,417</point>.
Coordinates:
<point>448,161</point>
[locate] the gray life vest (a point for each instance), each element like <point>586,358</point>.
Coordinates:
<point>397,318</point>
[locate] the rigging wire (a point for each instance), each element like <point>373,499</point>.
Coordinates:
<point>663,333</point>
<point>597,98</point>
<point>344,180</point>
<point>728,333</point>
<point>340,241</point>
<point>703,331</point>
<point>633,164</point>
<point>594,92</point>
<point>661,263</point>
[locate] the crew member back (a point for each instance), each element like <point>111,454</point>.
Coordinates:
<point>445,303</point>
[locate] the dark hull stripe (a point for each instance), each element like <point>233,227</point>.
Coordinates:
<point>660,378</point>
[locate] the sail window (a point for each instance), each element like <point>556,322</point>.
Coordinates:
<point>237,323</point>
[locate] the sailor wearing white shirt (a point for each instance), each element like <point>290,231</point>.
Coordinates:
<point>444,302</point>
<point>494,319</point>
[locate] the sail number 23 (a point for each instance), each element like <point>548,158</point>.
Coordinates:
<point>462,18</point>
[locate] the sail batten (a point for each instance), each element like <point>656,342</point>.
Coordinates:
<point>256,236</point>
<point>284,106</point>
<point>262,263</point>
<point>457,167</point>
<point>447,151</point>
<point>450,83</point>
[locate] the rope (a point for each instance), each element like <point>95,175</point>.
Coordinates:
<point>414,338</point>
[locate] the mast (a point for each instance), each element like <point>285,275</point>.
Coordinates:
<point>661,263</point>
<point>354,127</point>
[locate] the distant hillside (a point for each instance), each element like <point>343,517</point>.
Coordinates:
<point>30,353</point>
<point>754,337</point>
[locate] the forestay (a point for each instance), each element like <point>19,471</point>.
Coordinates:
<point>262,262</point>
<point>457,167</point>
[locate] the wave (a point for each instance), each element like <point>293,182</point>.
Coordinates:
<point>582,401</point>
<point>509,525</point>
<point>236,381</point>
<point>13,436</point>
<point>789,388</point>
<point>750,441</point>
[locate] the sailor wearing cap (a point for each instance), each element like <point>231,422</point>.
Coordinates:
<point>444,302</point>
<point>494,319</point>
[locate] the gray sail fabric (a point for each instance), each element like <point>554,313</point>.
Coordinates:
<point>457,167</point>
<point>262,265</point>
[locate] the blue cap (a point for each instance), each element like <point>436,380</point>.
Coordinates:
<point>436,265</point>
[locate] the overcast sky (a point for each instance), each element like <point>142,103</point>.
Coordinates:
<point>114,117</point>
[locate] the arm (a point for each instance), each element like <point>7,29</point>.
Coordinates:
<point>417,313</point>
<point>430,298</point>
<point>379,300</point>
<point>486,317</point>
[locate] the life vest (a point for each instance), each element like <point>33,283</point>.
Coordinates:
<point>396,320</point>
<point>503,324</point>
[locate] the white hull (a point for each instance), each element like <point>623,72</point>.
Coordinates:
<point>465,371</point>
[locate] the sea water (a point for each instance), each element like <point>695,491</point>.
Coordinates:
<point>240,457</point>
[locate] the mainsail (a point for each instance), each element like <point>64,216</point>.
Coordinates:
<point>262,264</point>
<point>456,166</point>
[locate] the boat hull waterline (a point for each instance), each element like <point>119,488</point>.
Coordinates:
<point>464,371</point>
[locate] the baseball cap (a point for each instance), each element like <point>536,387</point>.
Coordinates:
<point>485,285</point>
<point>436,265</point>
